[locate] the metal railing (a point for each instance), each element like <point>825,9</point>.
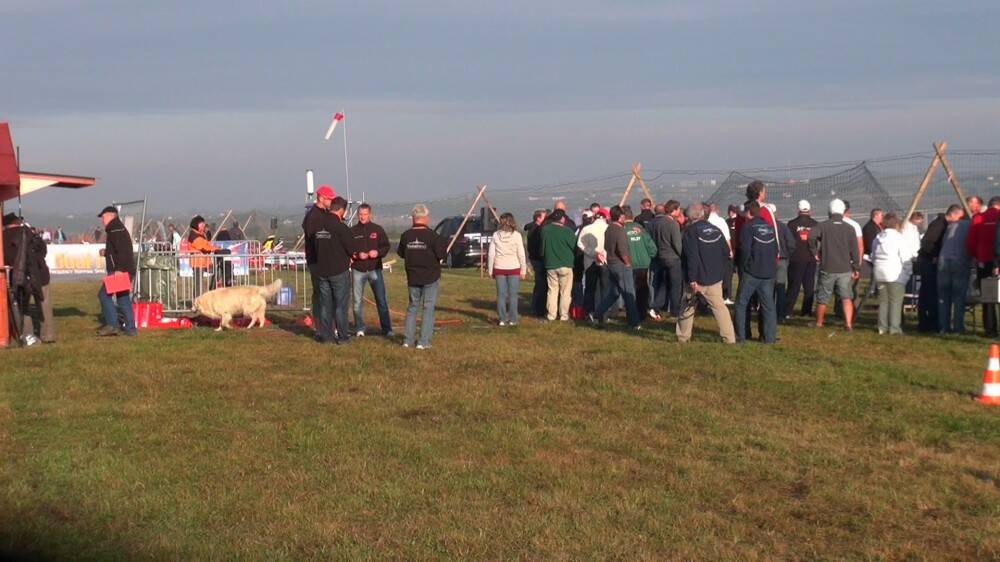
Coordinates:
<point>175,279</point>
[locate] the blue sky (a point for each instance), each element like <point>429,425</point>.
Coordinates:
<point>223,104</point>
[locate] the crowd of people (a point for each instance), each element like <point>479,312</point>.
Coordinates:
<point>664,261</point>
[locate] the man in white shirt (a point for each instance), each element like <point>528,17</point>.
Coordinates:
<point>595,270</point>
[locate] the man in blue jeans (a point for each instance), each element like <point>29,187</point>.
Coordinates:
<point>758,259</point>
<point>372,245</point>
<point>118,258</point>
<point>619,266</point>
<point>329,245</point>
<point>422,250</point>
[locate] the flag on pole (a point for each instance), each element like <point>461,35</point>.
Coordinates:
<point>337,118</point>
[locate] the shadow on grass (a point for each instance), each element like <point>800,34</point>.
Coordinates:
<point>67,311</point>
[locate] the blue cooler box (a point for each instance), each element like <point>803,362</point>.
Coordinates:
<point>285,296</point>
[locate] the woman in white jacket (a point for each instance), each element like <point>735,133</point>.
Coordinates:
<point>891,257</point>
<point>507,265</point>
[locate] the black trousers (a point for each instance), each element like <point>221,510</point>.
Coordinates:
<point>641,277</point>
<point>727,279</point>
<point>674,280</point>
<point>801,275</point>
<point>927,301</point>
<point>989,309</point>
<point>596,281</point>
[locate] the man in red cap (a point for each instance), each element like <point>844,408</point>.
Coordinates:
<point>315,226</point>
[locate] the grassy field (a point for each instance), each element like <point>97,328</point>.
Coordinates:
<point>545,441</point>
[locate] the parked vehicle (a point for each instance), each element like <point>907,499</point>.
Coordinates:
<point>473,242</point>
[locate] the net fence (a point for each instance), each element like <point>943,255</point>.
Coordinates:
<point>886,183</point>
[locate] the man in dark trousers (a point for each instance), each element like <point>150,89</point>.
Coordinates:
<point>330,244</point>
<point>620,269</point>
<point>669,275</point>
<point>533,232</point>
<point>705,257</point>
<point>802,262</point>
<point>758,261</point>
<point>927,267</point>
<point>422,251</point>
<point>24,253</point>
<point>371,244</point>
<point>118,257</point>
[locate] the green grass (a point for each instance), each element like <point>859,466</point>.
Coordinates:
<point>545,441</point>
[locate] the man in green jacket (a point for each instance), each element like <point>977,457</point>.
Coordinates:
<point>642,248</point>
<point>558,246</point>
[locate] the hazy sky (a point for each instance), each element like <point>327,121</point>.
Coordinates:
<point>223,104</point>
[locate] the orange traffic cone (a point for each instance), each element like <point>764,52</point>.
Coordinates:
<point>991,378</point>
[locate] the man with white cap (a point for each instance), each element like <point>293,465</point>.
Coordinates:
<point>836,244</point>
<point>802,262</point>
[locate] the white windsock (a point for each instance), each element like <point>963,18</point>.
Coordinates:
<point>337,118</point>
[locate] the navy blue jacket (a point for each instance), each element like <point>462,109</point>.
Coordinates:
<point>758,249</point>
<point>704,253</point>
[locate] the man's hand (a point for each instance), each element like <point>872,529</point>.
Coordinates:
<point>695,287</point>
<point>373,254</point>
<point>524,276</point>
<point>855,275</point>
<point>362,256</point>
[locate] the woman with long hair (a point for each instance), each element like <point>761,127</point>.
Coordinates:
<point>507,265</point>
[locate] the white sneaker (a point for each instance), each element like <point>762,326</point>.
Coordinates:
<point>360,333</point>
<point>729,302</point>
<point>406,345</point>
<point>653,314</point>
<point>30,340</point>
<point>502,323</point>
<point>420,346</point>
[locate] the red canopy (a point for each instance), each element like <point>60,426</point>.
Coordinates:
<point>10,180</point>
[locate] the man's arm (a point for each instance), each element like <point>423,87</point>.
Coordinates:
<point>675,237</point>
<point>383,243</point>
<point>401,248</point>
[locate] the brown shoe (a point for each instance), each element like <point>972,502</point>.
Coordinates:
<point>107,331</point>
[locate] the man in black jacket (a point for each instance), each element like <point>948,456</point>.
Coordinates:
<point>422,250</point>
<point>668,275</point>
<point>758,262</point>
<point>645,212</point>
<point>533,231</point>
<point>25,250</point>
<point>704,257</point>
<point>802,262</point>
<point>372,245</point>
<point>927,266</point>
<point>329,245</point>
<point>119,257</point>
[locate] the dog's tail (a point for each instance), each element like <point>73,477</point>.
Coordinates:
<point>268,291</point>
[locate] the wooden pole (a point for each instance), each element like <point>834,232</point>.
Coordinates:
<point>636,177</point>
<point>628,189</point>
<point>939,151</point>
<point>479,195</point>
<point>490,207</point>
<point>926,181</point>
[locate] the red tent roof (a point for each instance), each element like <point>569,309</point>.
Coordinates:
<point>10,180</point>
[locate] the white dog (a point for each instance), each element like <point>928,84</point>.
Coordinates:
<point>223,304</point>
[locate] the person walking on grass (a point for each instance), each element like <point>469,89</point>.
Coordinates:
<point>890,255</point>
<point>422,249</point>
<point>372,246</point>
<point>704,258</point>
<point>838,247</point>
<point>507,265</point>
<point>642,249</point>
<point>558,244</point>
<point>953,273</point>
<point>533,233</point>
<point>118,258</point>
<point>616,249</point>
<point>758,259</point>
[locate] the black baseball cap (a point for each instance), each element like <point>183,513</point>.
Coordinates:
<point>108,209</point>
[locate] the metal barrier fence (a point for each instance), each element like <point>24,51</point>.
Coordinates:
<point>175,279</point>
